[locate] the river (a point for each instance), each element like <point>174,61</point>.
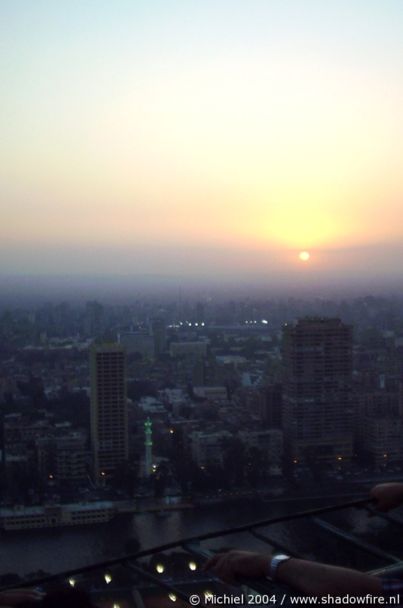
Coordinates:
<point>66,548</point>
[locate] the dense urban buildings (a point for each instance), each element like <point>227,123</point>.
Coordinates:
<point>257,394</point>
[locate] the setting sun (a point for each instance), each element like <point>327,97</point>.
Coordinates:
<point>161,161</point>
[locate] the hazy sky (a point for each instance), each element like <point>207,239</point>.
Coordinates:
<point>201,136</point>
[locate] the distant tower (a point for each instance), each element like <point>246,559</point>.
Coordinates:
<point>109,427</point>
<point>94,318</point>
<point>200,312</point>
<point>159,333</point>
<point>148,448</point>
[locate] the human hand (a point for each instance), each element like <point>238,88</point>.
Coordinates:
<point>14,597</point>
<point>234,564</point>
<point>387,496</point>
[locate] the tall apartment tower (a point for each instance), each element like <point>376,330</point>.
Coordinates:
<point>159,334</point>
<point>317,390</point>
<point>109,427</point>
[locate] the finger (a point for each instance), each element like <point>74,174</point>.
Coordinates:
<point>226,573</point>
<point>14,599</point>
<point>26,592</point>
<point>219,567</point>
<point>223,569</point>
<point>210,563</point>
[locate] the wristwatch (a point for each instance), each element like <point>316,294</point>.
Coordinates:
<point>275,562</point>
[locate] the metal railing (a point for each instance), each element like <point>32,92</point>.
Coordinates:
<point>193,547</point>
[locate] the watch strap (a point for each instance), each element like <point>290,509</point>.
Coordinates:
<point>274,564</point>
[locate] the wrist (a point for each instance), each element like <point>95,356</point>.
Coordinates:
<point>275,563</point>
<point>265,565</point>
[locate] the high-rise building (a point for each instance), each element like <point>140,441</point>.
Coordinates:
<point>159,334</point>
<point>109,428</point>
<point>379,426</point>
<point>271,405</point>
<point>317,390</point>
<point>94,318</point>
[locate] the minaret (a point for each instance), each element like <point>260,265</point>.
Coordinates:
<point>148,448</point>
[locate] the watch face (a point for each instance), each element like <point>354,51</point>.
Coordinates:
<point>275,562</point>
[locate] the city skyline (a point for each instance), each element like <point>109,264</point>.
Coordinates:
<point>207,140</point>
